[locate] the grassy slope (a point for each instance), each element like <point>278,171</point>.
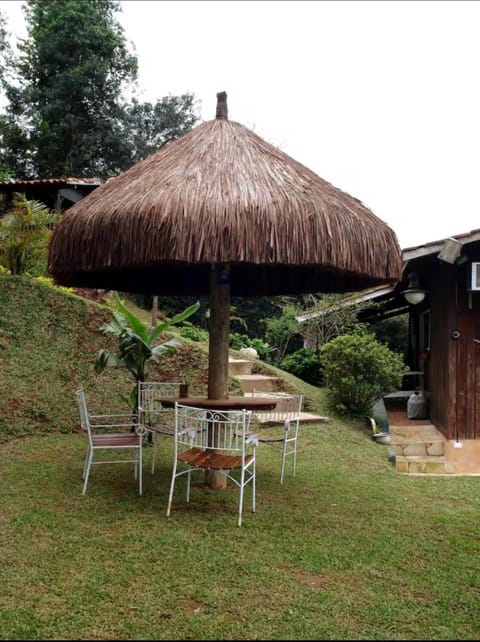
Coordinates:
<point>48,343</point>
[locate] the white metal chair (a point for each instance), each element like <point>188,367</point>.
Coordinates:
<point>287,413</point>
<point>207,439</point>
<point>100,438</point>
<point>157,419</point>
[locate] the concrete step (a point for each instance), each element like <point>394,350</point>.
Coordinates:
<point>419,465</point>
<point>311,418</point>
<point>239,367</point>
<point>262,382</point>
<point>305,417</point>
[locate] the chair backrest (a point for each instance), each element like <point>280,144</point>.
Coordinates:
<point>84,418</point>
<point>288,408</point>
<point>150,393</point>
<point>223,430</point>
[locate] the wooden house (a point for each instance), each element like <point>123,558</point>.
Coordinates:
<point>442,279</point>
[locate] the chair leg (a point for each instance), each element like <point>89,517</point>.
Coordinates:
<point>240,503</point>
<point>140,476</point>
<point>189,482</point>
<point>254,482</point>
<point>172,486</point>
<point>87,472</point>
<point>294,456</point>
<point>86,463</point>
<point>284,455</point>
<point>154,450</point>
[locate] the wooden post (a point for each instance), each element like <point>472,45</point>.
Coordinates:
<point>218,344</point>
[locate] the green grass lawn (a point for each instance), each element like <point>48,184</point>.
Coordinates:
<point>347,549</point>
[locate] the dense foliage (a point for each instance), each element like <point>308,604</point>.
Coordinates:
<point>393,333</point>
<point>65,114</point>
<point>357,370</point>
<point>283,333</point>
<point>239,341</point>
<point>304,364</point>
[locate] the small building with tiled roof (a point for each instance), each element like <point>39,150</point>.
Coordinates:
<point>56,193</point>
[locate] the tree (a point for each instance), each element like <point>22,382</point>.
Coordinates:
<point>5,51</point>
<point>393,333</point>
<point>65,114</point>
<point>136,343</point>
<point>283,333</point>
<point>147,126</point>
<point>5,63</point>
<point>72,68</point>
<point>333,319</point>
<point>24,234</point>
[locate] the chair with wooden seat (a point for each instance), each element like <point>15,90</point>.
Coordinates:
<point>215,440</point>
<point>110,433</point>
<point>152,413</point>
<point>287,414</point>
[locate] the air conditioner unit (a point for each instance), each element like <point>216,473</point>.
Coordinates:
<point>475,280</point>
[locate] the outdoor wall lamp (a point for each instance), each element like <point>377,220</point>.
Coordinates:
<point>414,293</point>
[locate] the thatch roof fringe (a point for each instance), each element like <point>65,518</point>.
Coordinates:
<point>221,193</point>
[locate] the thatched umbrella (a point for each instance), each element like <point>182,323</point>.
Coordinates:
<point>222,212</point>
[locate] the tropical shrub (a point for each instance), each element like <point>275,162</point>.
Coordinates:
<point>136,341</point>
<point>357,370</point>
<point>25,231</point>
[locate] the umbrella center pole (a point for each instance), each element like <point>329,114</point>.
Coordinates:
<point>218,345</point>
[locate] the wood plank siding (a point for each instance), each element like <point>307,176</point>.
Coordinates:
<point>453,369</point>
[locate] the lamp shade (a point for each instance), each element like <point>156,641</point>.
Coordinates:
<point>414,296</point>
<point>414,293</point>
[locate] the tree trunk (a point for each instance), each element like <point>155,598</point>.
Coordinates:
<point>153,321</point>
<point>218,344</point>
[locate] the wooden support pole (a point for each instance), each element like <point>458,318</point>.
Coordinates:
<point>218,344</point>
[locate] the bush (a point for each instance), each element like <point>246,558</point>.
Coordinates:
<point>192,332</point>
<point>357,370</point>
<point>305,364</point>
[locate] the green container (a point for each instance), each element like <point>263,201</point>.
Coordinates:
<point>379,413</point>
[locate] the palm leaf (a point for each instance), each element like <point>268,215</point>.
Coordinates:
<point>138,326</point>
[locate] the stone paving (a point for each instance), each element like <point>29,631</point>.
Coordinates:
<point>419,448</point>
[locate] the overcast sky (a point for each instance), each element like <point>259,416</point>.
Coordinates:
<point>382,99</point>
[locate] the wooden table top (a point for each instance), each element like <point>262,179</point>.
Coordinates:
<point>232,403</point>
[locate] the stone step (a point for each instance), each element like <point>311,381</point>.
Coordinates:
<point>239,366</point>
<point>262,382</point>
<point>417,441</point>
<point>419,465</point>
<point>408,448</point>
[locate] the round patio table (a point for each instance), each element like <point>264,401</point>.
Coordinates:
<point>232,403</point>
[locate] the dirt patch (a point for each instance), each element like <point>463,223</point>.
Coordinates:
<point>189,605</point>
<point>315,581</point>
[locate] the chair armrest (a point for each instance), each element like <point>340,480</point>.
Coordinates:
<point>140,429</point>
